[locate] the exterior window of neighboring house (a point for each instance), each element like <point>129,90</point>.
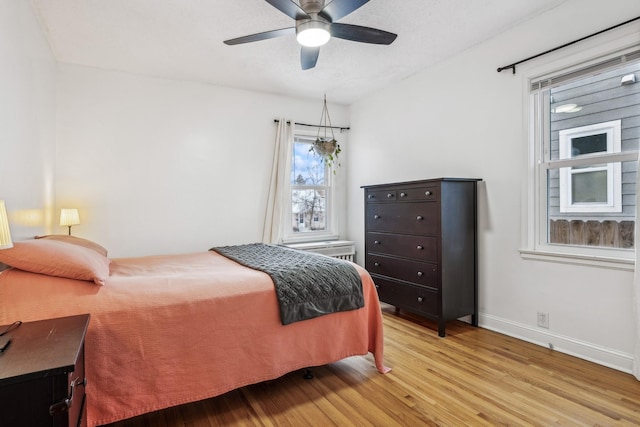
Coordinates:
<point>584,133</point>
<point>593,188</point>
<point>311,194</point>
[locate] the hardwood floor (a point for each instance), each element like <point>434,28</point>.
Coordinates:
<point>472,377</point>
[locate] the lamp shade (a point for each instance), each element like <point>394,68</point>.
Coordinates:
<point>5,233</point>
<point>313,33</point>
<point>69,217</point>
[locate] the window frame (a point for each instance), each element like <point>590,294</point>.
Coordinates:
<point>331,231</point>
<point>535,198</point>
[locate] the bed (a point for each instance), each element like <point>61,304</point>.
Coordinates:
<point>168,330</point>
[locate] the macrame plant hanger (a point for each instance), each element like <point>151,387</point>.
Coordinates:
<point>324,146</point>
<point>324,119</point>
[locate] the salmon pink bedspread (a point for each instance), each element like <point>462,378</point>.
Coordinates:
<point>168,330</point>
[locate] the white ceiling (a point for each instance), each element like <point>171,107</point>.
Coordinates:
<point>182,39</point>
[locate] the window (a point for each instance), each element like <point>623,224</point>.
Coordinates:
<point>593,188</point>
<point>584,132</point>
<point>312,201</point>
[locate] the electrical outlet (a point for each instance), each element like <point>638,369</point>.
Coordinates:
<point>543,320</point>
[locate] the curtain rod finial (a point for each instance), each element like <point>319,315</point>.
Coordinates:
<point>513,68</point>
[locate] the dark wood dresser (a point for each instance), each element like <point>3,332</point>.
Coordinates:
<point>421,246</point>
<point>42,377</point>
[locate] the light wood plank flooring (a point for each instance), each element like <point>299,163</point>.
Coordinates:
<point>473,377</point>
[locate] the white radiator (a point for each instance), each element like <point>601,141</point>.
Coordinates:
<point>341,249</point>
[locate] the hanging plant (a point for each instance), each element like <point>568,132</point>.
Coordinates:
<point>327,150</point>
<point>326,147</point>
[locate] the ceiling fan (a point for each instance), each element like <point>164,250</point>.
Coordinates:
<point>315,25</point>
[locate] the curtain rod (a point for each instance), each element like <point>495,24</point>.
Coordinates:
<point>513,66</point>
<point>314,126</point>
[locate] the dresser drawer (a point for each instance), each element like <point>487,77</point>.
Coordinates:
<point>422,273</point>
<point>419,194</point>
<point>408,218</point>
<point>413,298</point>
<point>388,195</point>
<point>421,248</point>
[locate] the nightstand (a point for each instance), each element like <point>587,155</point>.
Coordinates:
<point>42,374</point>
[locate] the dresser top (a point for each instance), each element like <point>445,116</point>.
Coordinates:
<point>42,348</point>
<point>423,181</point>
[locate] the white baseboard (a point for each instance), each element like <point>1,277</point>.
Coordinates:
<point>594,353</point>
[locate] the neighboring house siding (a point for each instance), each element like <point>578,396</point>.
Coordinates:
<point>603,99</point>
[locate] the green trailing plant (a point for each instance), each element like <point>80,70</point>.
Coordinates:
<point>328,151</point>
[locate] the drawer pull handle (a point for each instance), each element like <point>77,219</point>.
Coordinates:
<point>376,242</point>
<point>377,264</point>
<point>419,247</point>
<point>420,273</point>
<point>389,195</point>
<point>427,193</point>
<point>419,218</point>
<point>370,196</point>
<point>419,299</point>
<point>403,194</point>
<point>376,216</point>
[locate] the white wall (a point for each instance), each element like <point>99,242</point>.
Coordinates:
<point>161,166</point>
<point>27,121</point>
<point>463,119</point>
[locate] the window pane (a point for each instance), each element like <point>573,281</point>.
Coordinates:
<point>306,168</point>
<point>589,144</point>
<point>589,187</point>
<point>309,210</point>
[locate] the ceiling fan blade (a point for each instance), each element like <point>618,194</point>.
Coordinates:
<point>309,57</point>
<point>261,36</point>
<point>357,33</point>
<point>340,8</point>
<point>289,8</point>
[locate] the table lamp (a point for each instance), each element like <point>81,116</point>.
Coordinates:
<point>69,217</point>
<point>5,233</point>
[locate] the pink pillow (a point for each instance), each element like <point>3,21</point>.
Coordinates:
<point>76,241</point>
<point>55,258</point>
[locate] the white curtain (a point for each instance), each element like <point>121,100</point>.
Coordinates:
<point>275,213</point>
<point>636,281</point>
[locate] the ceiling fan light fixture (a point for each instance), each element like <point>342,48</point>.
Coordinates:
<point>313,33</point>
